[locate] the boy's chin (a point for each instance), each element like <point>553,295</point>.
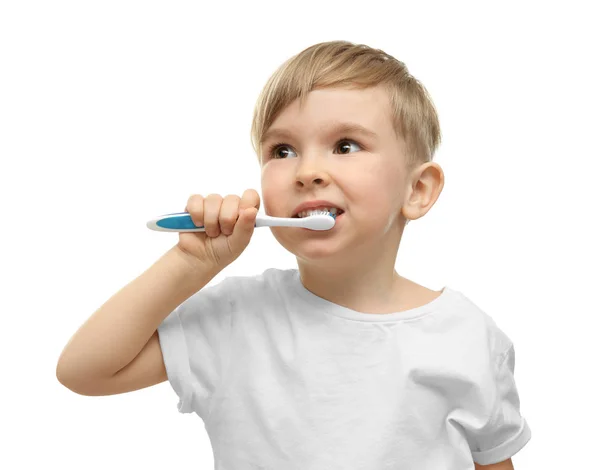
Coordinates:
<point>316,250</point>
<point>309,244</point>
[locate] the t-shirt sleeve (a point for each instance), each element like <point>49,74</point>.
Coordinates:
<point>194,341</point>
<point>501,432</point>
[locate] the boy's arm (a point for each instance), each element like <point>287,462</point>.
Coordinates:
<point>505,465</point>
<point>117,348</point>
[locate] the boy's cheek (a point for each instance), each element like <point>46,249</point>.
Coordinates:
<point>273,200</point>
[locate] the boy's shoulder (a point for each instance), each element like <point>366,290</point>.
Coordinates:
<point>480,322</point>
<point>457,315</point>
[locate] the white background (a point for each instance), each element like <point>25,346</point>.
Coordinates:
<point>113,112</point>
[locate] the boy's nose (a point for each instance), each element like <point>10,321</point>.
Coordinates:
<point>309,178</point>
<point>311,171</point>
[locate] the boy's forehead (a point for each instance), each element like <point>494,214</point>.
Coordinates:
<point>331,128</point>
<point>334,111</point>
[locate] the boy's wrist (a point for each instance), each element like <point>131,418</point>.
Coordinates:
<point>192,265</point>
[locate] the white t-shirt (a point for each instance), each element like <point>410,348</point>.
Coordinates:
<point>286,380</point>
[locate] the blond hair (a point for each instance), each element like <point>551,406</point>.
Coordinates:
<point>344,64</point>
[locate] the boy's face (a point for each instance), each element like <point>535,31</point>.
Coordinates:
<point>362,174</point>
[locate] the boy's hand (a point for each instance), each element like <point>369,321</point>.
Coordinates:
<point>229,225</point>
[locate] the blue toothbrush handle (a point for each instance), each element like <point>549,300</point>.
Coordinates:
<point>175,222</point>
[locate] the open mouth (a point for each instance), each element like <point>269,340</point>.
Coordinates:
<point>335,212</point>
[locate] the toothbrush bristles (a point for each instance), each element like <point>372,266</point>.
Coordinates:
<point>323,212</point>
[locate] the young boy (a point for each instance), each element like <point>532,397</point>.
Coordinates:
<point>341,363</point>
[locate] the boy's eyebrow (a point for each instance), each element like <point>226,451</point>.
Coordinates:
<point>335,128</point>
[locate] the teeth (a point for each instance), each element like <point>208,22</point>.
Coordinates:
<point>320,210</point>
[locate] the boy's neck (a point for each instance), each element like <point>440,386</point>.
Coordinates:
<point>374,289</point>
<point>381,295</point>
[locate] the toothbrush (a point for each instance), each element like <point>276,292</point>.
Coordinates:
<point>182,222</point>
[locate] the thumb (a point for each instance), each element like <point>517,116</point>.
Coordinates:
<point>243,229</point>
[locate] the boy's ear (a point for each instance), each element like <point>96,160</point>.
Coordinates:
<point>423,188</point>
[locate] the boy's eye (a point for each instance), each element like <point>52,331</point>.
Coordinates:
<point>275,149</point>
<point>347,143</point>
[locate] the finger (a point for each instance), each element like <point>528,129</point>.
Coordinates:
<point>212,208</point>
<point>195,207</point>
<point>243,229</point>
<point>229,213</point>
<point>250,198</point>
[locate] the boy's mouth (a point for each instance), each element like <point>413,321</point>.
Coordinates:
<point>332,211</point>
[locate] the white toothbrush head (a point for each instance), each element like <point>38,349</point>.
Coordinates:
<point>318,222</point>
